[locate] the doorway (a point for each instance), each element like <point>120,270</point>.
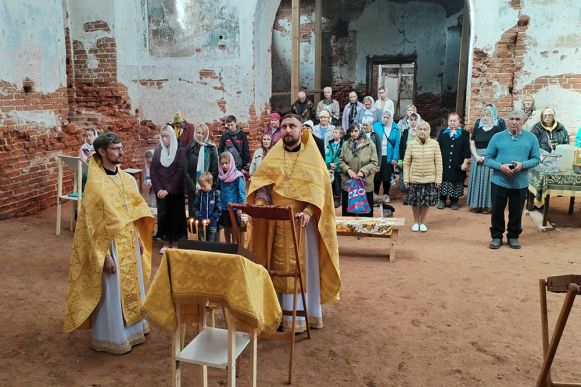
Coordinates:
<point>398,76</point>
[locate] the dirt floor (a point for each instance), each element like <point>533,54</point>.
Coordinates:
<point>448,312</point>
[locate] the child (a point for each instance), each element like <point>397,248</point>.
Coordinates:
<point>87,149</point>
<point>207,207</point>
<point>332,161</point>
<point>232,190</point>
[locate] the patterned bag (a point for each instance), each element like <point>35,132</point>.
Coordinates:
<point>357,203</point>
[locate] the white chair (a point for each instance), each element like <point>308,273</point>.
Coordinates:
<point>78,167</point>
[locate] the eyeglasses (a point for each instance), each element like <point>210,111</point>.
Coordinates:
<point>548,115</point>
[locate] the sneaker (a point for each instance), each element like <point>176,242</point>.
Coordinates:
<point>416,227</point>
<point>441,205</point>
<point>385,199</point>
<point>495,243</point>
<point>423,228</point>
<point>454,206</point>
<point>514,243</point>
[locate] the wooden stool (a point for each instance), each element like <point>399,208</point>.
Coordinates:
<point>78,167</point>
<point>570,284</point>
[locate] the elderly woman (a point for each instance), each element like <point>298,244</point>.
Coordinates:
<point>167,176</point>
<point>368,113</point>
<point>404,123</point>
<point>422,167</point>
<point>530,110</point>
<point>388,152</point>
<point>324,130</point>
<point>549,131</point>
<point>201,156</point>
<point>350,110</point>
<point>358,160</point>
<point>260,153</point>
<point>274,128</point>
<point>479,199</point>
<point>455,146</point>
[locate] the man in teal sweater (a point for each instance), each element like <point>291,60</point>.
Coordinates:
<point>510,154</point>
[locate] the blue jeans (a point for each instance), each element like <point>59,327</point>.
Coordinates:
<point>210,234</point>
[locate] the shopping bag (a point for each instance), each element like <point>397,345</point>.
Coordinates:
<point>357,203</point>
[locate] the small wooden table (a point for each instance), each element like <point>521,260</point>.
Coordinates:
<point>543,185</point>
<point>372,227</point>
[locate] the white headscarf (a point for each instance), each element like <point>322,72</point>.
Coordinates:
<point>168,154</point>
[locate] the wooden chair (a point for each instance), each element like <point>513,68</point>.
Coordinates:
<point>281,214</point>
<point>570,284</point>
<point>78,167</point>
<point>211,347</point>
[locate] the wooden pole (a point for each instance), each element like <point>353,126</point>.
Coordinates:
<point>463,69</point>
<point>295,47</point>
<point>318,48</point>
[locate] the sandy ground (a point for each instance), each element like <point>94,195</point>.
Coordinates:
<point>448,312</point>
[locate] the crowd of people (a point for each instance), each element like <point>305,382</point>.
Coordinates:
<point>311,167</point>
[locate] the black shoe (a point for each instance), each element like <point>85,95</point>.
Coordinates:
<point>514,243</point>
<point>495,243</point>
<point>441,205</point>
<point>454,206</point>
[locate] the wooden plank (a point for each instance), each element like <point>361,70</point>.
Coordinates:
<point>295,46</point>
<point>318,48</point>
<point>537,219</point>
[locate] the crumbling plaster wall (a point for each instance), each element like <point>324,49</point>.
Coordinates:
<point>206,86</point>
<point>541,57</point>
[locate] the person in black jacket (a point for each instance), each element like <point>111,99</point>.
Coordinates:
<point>235,141</point>
<point>308,125</point>
<point>455,147</point>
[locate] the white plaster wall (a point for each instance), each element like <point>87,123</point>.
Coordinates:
<point>184,89</point>
<point>386,28</point>
<point>263,20</point>
<point>32,43</point>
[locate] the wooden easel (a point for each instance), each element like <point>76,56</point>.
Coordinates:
<point>570,284</point>
<point>281,214</point>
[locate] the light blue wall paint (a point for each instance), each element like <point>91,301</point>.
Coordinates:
<point>32,43</point>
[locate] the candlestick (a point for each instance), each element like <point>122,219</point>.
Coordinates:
<point>190,227</point>
<point>197,235</point>
<point>204,222</point>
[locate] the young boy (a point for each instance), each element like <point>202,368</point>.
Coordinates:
<point>332,160</point>
<point>87,149</point>
<point>207,207</point>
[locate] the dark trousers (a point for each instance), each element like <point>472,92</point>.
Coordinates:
<point>345,204</point>
<point>337,185</point>
<point>383,177</point>
<point>516,200</point>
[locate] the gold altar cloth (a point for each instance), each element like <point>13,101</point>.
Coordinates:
<point>241,285</point>
<point>375,226</point>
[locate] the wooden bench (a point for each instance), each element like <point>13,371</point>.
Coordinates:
<point>374,228</point>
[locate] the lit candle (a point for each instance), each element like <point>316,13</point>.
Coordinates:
<point>204,222</point>
<point>190,227</point>
<point>197,229</point>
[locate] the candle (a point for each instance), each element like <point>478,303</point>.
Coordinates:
<point>190,227</point>
<point>197,237</point>
<point>204,222</point>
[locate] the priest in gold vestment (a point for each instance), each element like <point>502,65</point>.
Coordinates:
<point>294,174</point>
<point>111,254</point>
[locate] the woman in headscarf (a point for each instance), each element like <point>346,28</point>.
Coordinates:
<point>530,110</point>
<point>260,153</point>
<point>496,120</point>
<point>407,135</point>
<point>358,160</point>
<point>479,199</point>
<point>350,110</point>
<point>388,152</point>
<point>455,146</point>
<point>549,131</point>
<point>167,180</point>
<point>201,156</point>
<point>423,175</point>
<point>274,128</point>
<point>404,123</point>
<point>368,113</point>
